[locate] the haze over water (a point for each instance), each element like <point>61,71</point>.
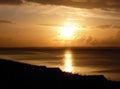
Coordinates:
<point>82,61</point>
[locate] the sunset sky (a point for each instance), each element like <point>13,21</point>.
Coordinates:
<point>59,23</point>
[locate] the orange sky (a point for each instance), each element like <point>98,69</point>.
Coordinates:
<point>41,23</point>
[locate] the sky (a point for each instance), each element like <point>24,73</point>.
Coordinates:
<point>59,23</point>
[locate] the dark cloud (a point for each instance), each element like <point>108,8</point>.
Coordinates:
<point>103,4</point>
<point>6,21</point>
<point>12,2</point>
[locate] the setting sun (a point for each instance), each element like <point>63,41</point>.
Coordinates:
<point>68,30</point>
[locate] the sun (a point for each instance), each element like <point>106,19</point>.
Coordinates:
<point>68,30</point>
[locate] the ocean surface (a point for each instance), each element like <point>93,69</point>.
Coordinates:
<point>92,61</point>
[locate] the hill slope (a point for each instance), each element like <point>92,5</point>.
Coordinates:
<point>15,75</point>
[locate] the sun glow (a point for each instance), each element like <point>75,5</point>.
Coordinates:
<point>68,30</point>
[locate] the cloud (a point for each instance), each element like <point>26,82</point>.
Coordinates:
<point>117,27</point>
<point>110,41</point>
<point>103,4</point>
<point>108,26</point>
<point>50,25</point>
<point>104,26</point>
<point>6,22</point>
<point>12,2</point>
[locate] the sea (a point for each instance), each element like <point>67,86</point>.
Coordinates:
<point>83,61</point>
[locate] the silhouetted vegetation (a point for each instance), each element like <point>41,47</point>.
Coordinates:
<point>15,75</point>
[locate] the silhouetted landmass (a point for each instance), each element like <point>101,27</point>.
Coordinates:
<point>15,75</point>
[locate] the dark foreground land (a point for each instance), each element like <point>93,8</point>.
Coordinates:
<point>14,75</point>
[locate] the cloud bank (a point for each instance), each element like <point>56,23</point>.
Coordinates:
<point>102,4</point>
<point>11,2</point>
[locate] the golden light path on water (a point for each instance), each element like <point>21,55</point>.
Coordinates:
<point>68,62</point>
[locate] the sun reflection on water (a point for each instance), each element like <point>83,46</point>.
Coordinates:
<point>68,62</point>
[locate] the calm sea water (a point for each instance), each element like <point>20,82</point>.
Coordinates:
<point>82,61</point>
